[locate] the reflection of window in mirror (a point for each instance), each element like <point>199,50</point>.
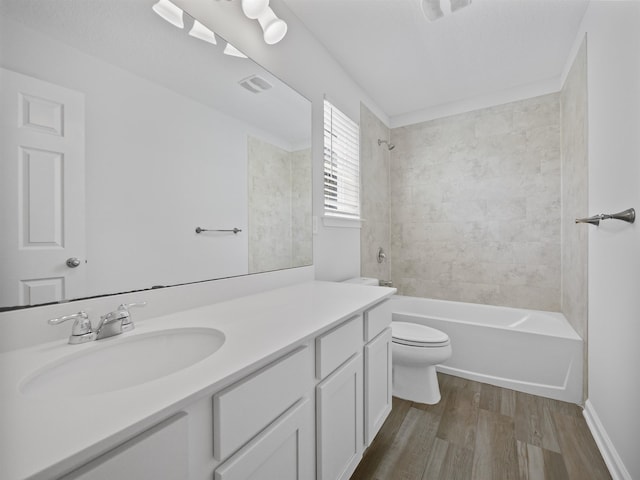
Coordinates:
<point>341,164</point>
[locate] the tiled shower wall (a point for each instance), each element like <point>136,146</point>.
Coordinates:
<point>573,101</point>
<point>374,195</point>
<point>279,217</point>
<point>475,206</point>
<point>575,198</point>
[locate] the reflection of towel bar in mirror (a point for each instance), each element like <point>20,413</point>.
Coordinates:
<point>628,215</point>
<point>200,230</point>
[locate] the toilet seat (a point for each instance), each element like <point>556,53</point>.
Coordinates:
<point>416,335</point>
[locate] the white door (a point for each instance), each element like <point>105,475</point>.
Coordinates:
<point>339,421</point>
<point>377,384</point>
<point>41,191</point>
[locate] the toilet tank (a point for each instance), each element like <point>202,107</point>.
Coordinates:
<point>363,281</point>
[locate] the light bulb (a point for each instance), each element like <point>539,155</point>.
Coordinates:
<point>274,29</point>
<point>254,8</point>
<point>169,12</point>
<point>233,51</point>
<point>203,33</point>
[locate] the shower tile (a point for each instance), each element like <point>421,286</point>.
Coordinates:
<point>494,123</point>
<point>479,198</point>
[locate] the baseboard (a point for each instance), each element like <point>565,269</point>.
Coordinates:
<point>614,463</point>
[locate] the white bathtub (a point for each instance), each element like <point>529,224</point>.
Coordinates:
<point>526,350</point>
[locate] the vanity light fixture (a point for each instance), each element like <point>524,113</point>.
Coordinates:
<point>203,33</point>
<point>233,51</point>
<point>169,12</point>
<point>254,8</point>
<point>274,29</point>
<point>435,9</point>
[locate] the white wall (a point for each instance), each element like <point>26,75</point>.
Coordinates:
<point>613,43</point>
<point>305,65</point>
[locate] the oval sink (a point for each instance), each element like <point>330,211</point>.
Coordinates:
<point>124,361</point>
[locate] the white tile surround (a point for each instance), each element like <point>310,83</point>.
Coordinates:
<point>475,206</point>
<point>575,200</point>
<point>279,219</point>
<point>575,184</point>
<point>374,195</point>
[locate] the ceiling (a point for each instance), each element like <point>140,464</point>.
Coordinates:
<point>406,63</point>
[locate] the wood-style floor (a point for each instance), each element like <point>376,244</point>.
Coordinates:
<point>483,432</point>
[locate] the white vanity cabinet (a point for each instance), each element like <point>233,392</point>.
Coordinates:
<point>160,453</point>
<point>377,384</point>
<point>305,413</point>
<point>284,451</point>
<point>339,404</point>
<point>377,369</point>
<point>267,420</point>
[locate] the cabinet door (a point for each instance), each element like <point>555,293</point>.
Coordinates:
<point>339,421</point>
<point>247,407</point>
<point>377,384</point>
<point>284,451</point>
<point>160,453</point>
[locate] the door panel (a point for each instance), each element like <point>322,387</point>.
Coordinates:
<point>42,138</point>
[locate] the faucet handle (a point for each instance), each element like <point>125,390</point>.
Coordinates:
<point>127,306</point>
<point>127,323</point>
<point>82,331</point>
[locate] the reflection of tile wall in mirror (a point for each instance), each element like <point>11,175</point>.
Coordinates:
<point>279,206</point>
<point>166,140</point>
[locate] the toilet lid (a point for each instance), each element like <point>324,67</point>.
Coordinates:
<point>417,335</point>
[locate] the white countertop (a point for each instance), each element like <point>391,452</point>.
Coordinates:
<point>41,437</point>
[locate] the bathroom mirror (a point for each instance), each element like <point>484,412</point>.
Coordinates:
<point>121,134</point>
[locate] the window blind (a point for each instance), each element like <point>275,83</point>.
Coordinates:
<point>341,164</point>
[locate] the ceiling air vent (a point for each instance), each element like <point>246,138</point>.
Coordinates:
<point>255,84</point>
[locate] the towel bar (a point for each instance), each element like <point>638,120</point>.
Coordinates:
<point>628,215</point>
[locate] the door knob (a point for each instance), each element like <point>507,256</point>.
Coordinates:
<point>73,262</point>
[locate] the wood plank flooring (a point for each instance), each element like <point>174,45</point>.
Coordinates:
<point>483,432</point>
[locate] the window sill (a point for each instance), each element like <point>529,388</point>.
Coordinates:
<point>341,222</point>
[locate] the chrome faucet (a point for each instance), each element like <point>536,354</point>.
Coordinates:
<point>113,323</point>
<point>116,322</point>
<point>81,332</point>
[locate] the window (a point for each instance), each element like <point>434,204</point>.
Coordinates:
<point>341,164</point>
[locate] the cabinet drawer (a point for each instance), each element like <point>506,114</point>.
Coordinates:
<point>161,453</point>
<point>247,407</point>
<point>283,451</point>
<point>336,346</point>
<point>339,421</point>
<point>376,320</point>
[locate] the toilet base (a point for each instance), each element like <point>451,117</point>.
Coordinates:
<point>416,384</point>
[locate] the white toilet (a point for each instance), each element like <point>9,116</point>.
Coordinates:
<point>416,350</point>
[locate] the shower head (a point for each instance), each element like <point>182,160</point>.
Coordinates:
<point>390,146</point>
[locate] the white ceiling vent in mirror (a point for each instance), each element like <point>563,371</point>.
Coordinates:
<point>255,84</point>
